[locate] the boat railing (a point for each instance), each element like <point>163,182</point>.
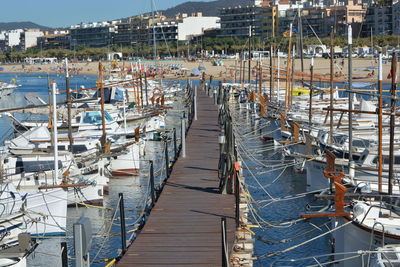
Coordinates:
<point>372,238</point>
<point>390,206</point>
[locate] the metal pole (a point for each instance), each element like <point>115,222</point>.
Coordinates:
<point>271,72</point>
<point>392,121</point>
<point>331,95</point>
<point>350,72</point>
<point>183,137</point>
<point>249,70</point>
<point>224,239</point>
<point>69,106</point>
<point>311,93</point>
<point>219,93</point>
<point>55,134</point>
<point>166,159</point>
<point>380,125</point>
<point>300,28</point>
<point>124,109</point>
<point>152,189</point>
<point>175,146</point>
<point>237,199</point>
<point>64,254</point>
<point>122,222</point>
<point>195,103</point>
<point>209,86</point>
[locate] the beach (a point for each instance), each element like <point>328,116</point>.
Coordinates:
<point>363,69</point>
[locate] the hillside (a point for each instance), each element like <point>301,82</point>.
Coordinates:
<point>5,26</point>
<point>207,8</point>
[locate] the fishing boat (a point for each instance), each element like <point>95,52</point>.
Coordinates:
<point>7,88</point>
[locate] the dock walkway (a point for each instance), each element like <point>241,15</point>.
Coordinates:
<point>184,227</point>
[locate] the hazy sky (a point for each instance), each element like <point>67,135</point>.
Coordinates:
<point>56,13</point>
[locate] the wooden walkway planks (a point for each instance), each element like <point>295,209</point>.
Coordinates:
<point>184,227</point>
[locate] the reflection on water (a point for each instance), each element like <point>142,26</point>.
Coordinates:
<point>258,159</point>
<point>106,232</point>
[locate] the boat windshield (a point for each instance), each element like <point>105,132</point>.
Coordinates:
<point>94,117</point>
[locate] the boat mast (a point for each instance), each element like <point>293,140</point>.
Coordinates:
<point>103,119</point>
<point>288,68</point>
<point>300,23</point>
<point>69,106</point>
<point>278,76</point>
<point>154,31</point>
<point>249,70</point>
<point>331,94</point>
<point>271,71</point>
<point>55,134</point>
<point>350,73</point>
<point>392,121</point>
<point>311,93</point>
<point>380,126</point>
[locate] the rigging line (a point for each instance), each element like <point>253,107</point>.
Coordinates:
<point>312,29</point>
<point>293,196</point>
<point>258,182</point>
<point>109,231</point>
<point>286,240</point>
<point>303,243</point>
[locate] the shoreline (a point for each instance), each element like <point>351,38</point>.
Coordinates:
<point>362,68</point>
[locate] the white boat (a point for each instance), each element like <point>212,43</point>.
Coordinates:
<point>7,88</point>
<point>44,211</point>
<point>372,224</point>
<point>127,162</point>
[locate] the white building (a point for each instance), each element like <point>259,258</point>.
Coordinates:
<point>196,25</point>
<point>14,37</point>
<point>29,37</point>
<point>396,18</point>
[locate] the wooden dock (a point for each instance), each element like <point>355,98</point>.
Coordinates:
<point>184,227</point>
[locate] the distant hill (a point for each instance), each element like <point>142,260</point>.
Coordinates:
<point>5,26</point>
<point>207,8</point>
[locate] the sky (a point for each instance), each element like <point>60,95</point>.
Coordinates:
<point>69,12</point>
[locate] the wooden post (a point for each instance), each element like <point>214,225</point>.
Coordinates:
<point>141,88</point>
<point>235,75</point>
<point>103,120</point>
<point>288,68</point>
<point>145,88</point>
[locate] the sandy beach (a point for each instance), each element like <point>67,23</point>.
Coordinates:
<point>362,68</point>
